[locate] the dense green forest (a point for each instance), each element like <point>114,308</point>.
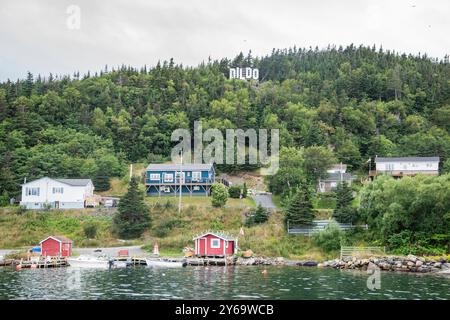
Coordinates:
<point>357,102</point>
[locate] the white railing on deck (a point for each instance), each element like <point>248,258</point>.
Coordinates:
<point>320,225</point>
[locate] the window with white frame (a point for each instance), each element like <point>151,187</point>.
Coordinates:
<point>215,243</point>
<point>177,176</point>
<point>155,176</point>
<point>196,188</point>
<point>168,177</point>
<point>196,175</point>
<point>32,191</point>
<point>58,190</point>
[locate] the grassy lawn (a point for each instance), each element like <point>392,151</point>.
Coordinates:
<point>198,201</point>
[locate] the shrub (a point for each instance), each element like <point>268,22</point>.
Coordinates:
<point>234,192</point>
<point>326,200</point>
<point>329,239</point>
<point>219,195</point>
<point>4,199</point>
<point>21,210</point>
<point>90,229</point>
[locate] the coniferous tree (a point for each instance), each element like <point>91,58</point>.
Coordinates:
<point>101,180</point>
<point>132,217</point>
<point>261,215</point>
<point>300,208</point>
<point>244,191</point>
<point>344,212</point>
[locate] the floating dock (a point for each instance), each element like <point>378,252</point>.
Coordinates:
<point>42,263</point>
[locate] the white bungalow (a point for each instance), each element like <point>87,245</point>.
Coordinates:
<point>56,193</point>
<point>406,166</point>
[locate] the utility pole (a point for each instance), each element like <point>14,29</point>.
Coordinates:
<point>181,175</point>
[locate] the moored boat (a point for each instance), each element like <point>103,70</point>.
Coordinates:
<point>89,262</point>
<point>161,263</point>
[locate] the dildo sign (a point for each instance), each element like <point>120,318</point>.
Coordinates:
<point>244,73</point>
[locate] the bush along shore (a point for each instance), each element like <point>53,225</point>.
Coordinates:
<point>408,263</point>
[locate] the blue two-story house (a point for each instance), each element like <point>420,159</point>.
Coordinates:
<point>164,179</point>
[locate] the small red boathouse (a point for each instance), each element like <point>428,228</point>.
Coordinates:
<point>215,244</point>
<point>56,246</point>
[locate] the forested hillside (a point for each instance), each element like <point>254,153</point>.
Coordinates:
<point>357,101</point>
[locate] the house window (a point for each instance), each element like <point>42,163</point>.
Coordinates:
<point>56,190</point>
<point>155,176</point>
<point>196,188</point>
<point>32,191</point>
<point>215,243</point>
<point>177,176</point>
<point>168,177</point>
<point>196,175</point>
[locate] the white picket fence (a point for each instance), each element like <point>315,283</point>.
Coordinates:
<point>320,225</point>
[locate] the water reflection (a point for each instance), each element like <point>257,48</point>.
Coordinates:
<point>215,283</point>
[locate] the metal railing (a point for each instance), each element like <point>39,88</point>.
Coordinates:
<point>320,225</point>
<point>362,251</point>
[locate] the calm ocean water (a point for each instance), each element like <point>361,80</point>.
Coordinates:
<point>216,283</point>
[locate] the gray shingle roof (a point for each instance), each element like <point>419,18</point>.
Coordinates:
<point>75,182</point>
<point>176,167</point>
<point>337,177</point>
<point>71,182</point>
<point>219,234</point>
<point>403,159</point>
<point>338,167</point>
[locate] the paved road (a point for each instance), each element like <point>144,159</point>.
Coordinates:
<point>265,200</point>
<point>112,251</point>
<point>4,252</point>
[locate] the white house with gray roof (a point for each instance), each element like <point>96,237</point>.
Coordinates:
<point>56,193</point>
<point>406,166</point>
<point>336,174</point>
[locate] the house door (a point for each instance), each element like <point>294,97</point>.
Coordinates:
<point>56,204</point>
<point>205,249</point>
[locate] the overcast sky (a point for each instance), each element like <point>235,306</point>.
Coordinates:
<point>39,36</point>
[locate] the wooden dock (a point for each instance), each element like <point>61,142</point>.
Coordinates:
<point>41,263</point>
<point>6,262</point>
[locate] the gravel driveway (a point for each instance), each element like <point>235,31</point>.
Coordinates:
<point>111,251</point>
<point>265,200</point>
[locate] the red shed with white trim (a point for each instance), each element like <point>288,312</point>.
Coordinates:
<point>56,246</point>
<point>215,244</point>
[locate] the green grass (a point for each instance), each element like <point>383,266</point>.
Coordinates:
<point>199,201</point>
<point>27,229</point>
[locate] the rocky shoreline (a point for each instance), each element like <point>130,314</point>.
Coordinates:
<point>408,263</point>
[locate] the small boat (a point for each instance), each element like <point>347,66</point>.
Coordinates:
<point>162,263</point>
<point>121,263</point>
<point>89,262</point>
